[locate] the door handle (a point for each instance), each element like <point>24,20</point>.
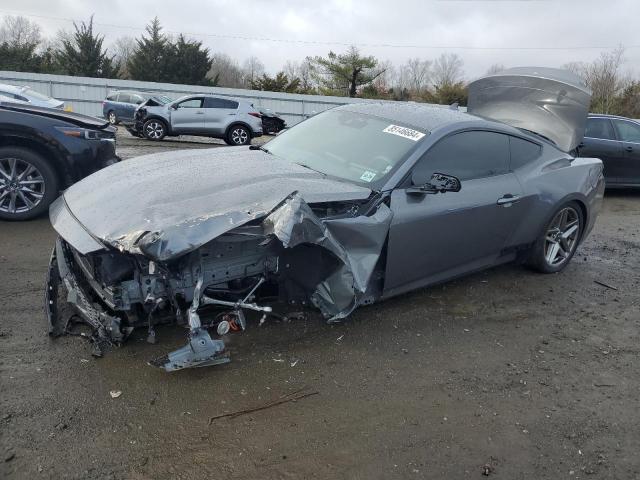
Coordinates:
<point>508,199</point>
<point>629,149</point>
<point>199,113</point>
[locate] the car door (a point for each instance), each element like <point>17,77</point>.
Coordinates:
<point>629,134</point>
<point>188,116</point>
<point>120,105</point>
<point>434,237</point>
<point>219,114</point>
<point>600,142</point>
<point>130,107</point>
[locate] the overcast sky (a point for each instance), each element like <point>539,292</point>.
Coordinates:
<point>482,32</point>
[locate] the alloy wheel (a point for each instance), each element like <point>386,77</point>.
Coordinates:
<point>154,130</point>
<point>112,118</point>
<point>239,136</point>
<point>561,238</point>
<point>21,186</point>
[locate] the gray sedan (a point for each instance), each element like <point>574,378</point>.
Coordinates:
<point>353,206</point>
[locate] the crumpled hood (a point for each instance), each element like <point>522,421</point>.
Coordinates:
<point>165,205</point>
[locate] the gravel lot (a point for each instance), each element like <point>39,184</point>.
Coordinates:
<point>533,375</point>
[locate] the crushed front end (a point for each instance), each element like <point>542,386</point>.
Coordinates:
<point>326,256</point>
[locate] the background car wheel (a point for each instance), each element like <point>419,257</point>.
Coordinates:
<point>559,239</point>
<point>238,135</point>
<point>154,129</point>
<point>111,116</point>
<point>28,184</point>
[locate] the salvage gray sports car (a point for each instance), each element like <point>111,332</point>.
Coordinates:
<point>350,207</point>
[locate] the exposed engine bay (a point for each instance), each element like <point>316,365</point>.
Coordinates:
<point>296,254</point>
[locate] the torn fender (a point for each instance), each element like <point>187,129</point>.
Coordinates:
<point>355,241</point>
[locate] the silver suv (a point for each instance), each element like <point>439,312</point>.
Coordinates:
<point>235,121</point>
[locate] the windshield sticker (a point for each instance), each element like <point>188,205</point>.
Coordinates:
<point>404,132</point>
<point>387,169</point>
<point>367,176</point>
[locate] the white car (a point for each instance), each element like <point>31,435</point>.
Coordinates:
<point>29,96</point>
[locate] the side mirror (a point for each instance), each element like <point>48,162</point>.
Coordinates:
<point>174,106</point>
<point>439,183</point>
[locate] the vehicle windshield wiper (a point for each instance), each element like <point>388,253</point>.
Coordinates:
<point>307,166</point>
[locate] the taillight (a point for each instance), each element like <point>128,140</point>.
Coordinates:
<point>255,114</point>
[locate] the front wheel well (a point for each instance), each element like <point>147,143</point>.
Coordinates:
<point>62,172</point>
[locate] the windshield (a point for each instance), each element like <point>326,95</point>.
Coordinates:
<point>356,147</point>
<point>37,95</point>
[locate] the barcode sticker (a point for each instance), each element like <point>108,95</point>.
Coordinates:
<point>404,132</point>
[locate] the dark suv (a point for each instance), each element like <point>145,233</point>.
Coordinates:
<point>43,151</point>
<point>616,141</point>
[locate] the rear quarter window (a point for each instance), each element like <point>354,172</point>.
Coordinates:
<point>522,152</point>
<point>220,103</point>
<point>112,97</point>
<point>599,128</point>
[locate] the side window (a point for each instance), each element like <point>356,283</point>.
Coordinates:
<point>599,128</point>
<point>191,103</point>
<point>213,102</point>
<point>137,99</point>
<point>124,98</point>
<point>522,152</point>
<point>628,131</point>
<point>113,97</point>
<point>467,155</point>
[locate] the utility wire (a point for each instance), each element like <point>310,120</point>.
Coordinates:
<point>318,42</point>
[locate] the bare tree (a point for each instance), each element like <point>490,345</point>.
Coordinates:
<point>225,71</point>
<point>418,74</point>
<point>447,70</point>
<point>122,50</point>
<point>301,71</point>
<point>252,69</point>
<point>19,31</point>
<point>495,68</point>
<point>604,77</point>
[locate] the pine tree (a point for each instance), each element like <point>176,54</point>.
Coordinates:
<point>82,54</point>
<point>149,59</point>
<point>187,62</point>
<point>345,72</point>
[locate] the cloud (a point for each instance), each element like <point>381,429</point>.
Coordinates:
<point>482,32</point>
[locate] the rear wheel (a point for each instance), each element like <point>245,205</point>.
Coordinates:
<point>238,135</point>
<point>111,116</point>
<point>28,184</point>
<point>154,129</point>
<point>559,239</point>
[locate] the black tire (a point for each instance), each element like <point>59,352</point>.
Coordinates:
<point>154,129</point>
<point>238,135</point>
<point>557,233</point>
<point>41,181</point>
<point>112,117</point>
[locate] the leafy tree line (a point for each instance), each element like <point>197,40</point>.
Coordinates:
<point>156,56</point>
